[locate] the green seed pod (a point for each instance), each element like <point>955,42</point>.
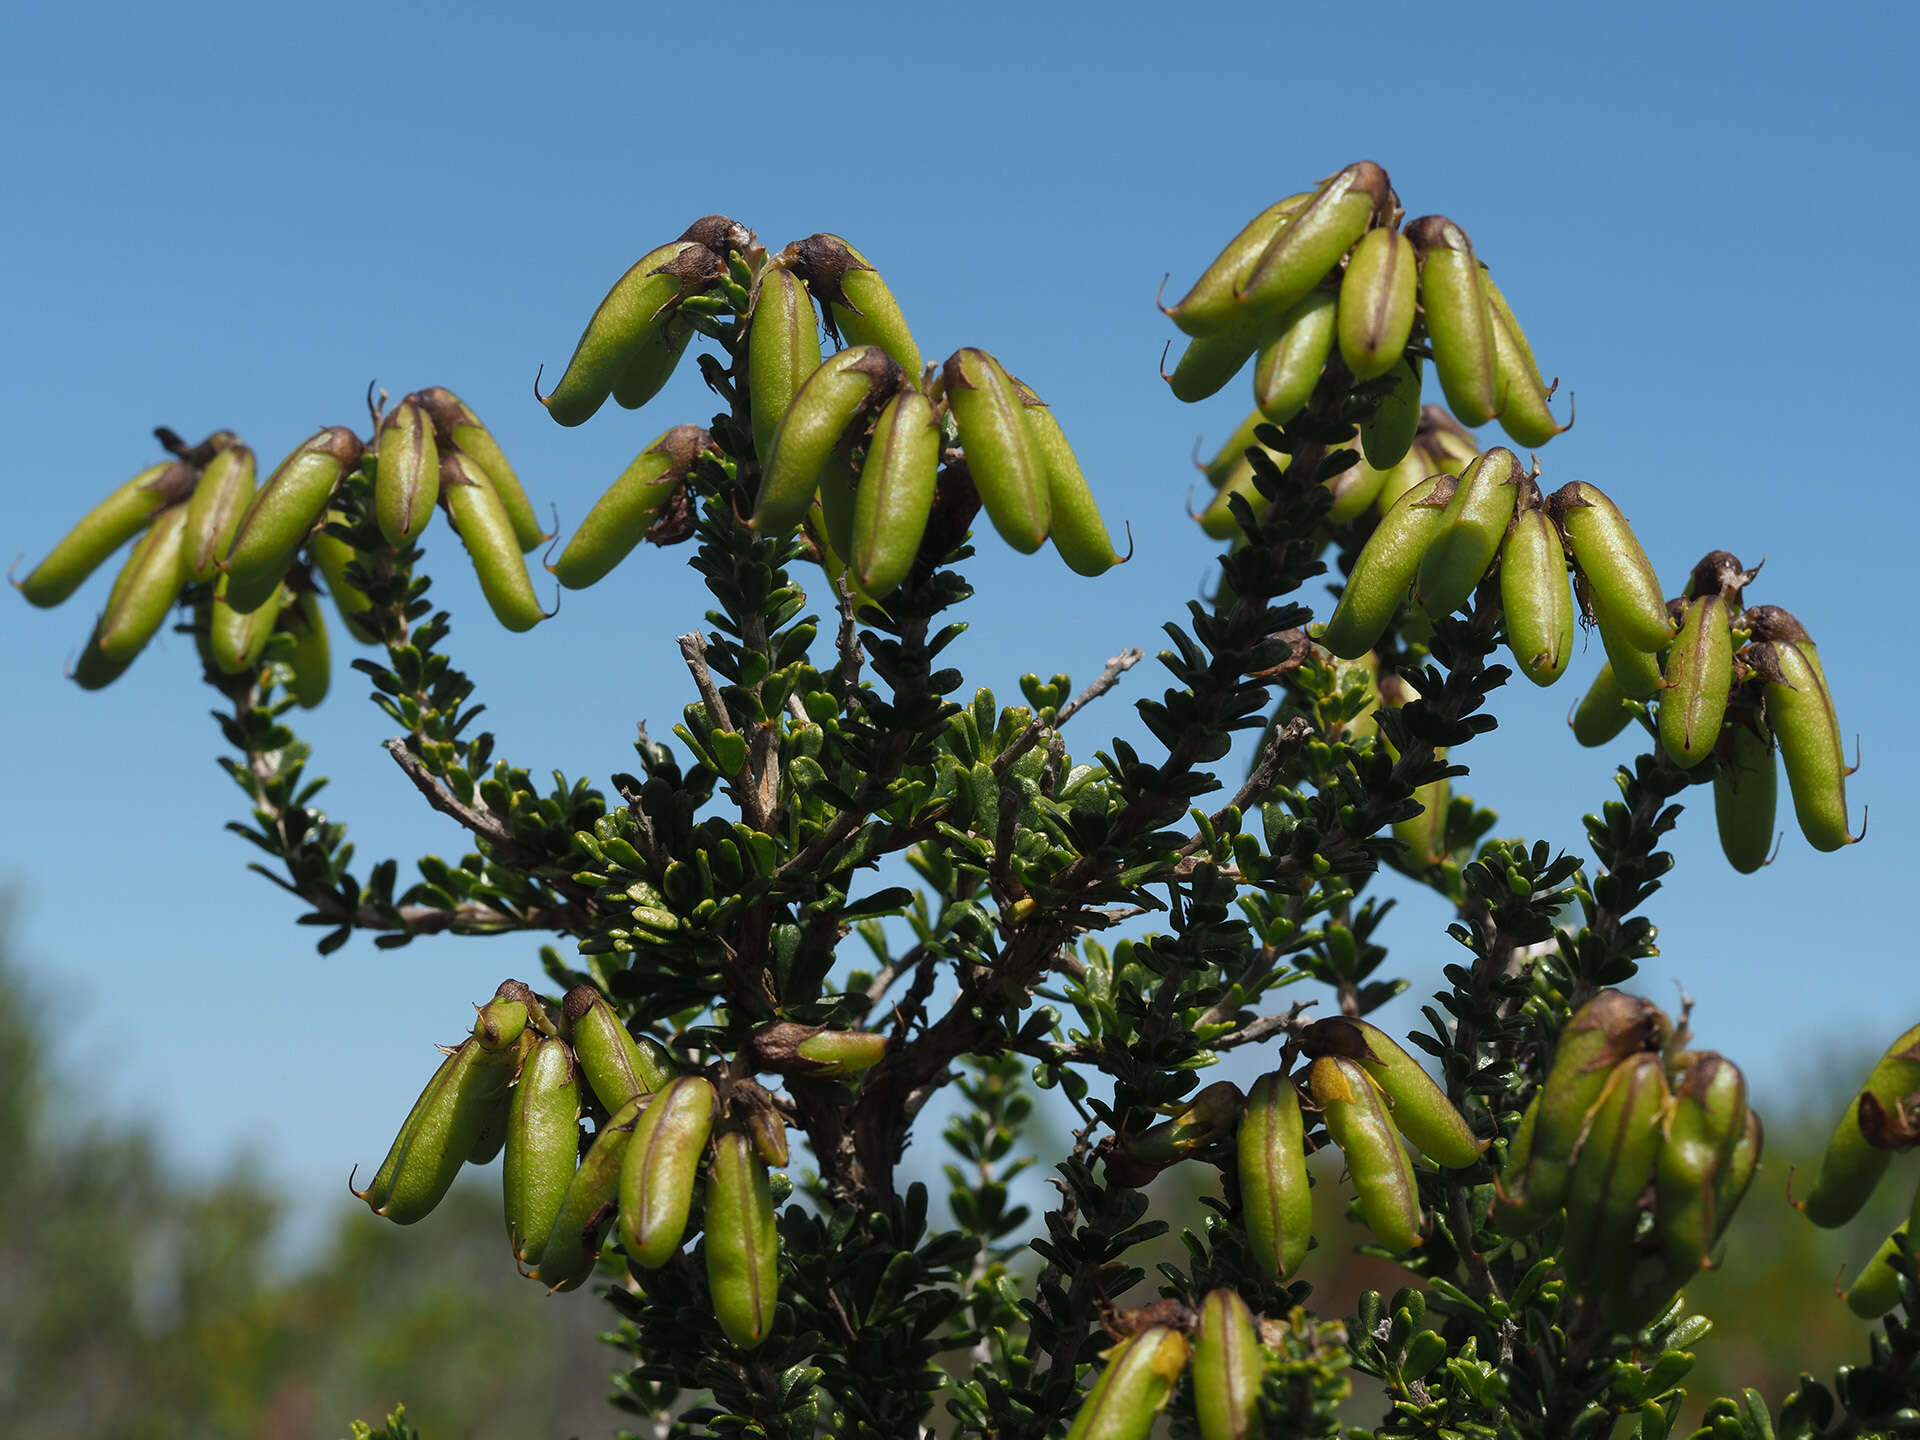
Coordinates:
<point>1212,306</point>
<point>406,483</point>
<point>331,555</point>
<point>856,301</point>
<point>1451,443</point>
<point>312,657</point>
<point>1743,1163</point>
<point>1851,1167</point>
<point>653,362</point>
<point>1602,712</point>
<point>783,349</point>
<point>282,514</point>
<point>1312,242</point>
<point>1217,520</point>
<point>486,529</point>
<point>743,1242</point>
<point>104,529</point>
<point>1356,1119</point>
<point>1459,313</point>
<point>1537,598</point>
<point>1387,435</point>
<point>456,425</point>
<point>752,1106</point>
<point>1475,522</point>
<point>1615,1161</point>
<point>501,1021</point>
<point>846,386</point>
<point>1227,1369</point>
<point>587,1209</point>
<point>1510,1216</point>
<point>1424,832</point>
<point>621,518</point>
<point>148,585</point>
<point>1876,1289</point>
<point>1746,788</point>
<point>1416,465</point>
<point>1618,581</point>
<point>1377,298</point>
<point>838,482</point>
<point>1007,467</point>
<point>543,1146</point>
<point>380,1188</point>
<point>895,494</point>
<point>1706,1120</point>
<point>1800,713</point>
<point>1385,568</point>
<point>662,1164</point>
<point>616,1066</point>
<point>1202,1122</point>
<point>839,1053</point>
<point>1420,1108</point>
<point>1636,672</point>
<point>435,1145</point>
<point>1292,356</point>
<point>1522,393</point>
<point>1209,362</point>
<point>1354,490</point>
<point>1077,531</point>
<point>1275,1203</point>
<point>213,514</point>
<point>1699,673</point>
<point>1134,1388</point>
<point>237,640</point>
<point>636,311</point>
<point>1231,458</point>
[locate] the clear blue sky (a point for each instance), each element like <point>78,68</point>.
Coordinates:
<point>230,216</point>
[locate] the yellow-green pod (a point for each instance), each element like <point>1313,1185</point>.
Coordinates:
<point>148,585</point>
<point>381,1186</point>
<point>486,530</point>
<point>1315,238</point>
<point>615,1064</point>
<point>1209,362</point>
<point>1800,714</point>
<point>1459,314</point>
<point>1388,433</point>
<point>1746,788</point>
<point>1536,598</point>
<point>1476,521</point>
<point>213,514</point>
<point>636,310</point>
<point>331,555</point>
<point>1620,583</point>
<point>1851,1167</point>
<point>237,639</point>
<point>621,518</point>
<point>783,349</point>
<point>1211,306</point>
<point>1134,1388</point>
<point>1385,568</point>
<point>1420,1108</point>
<point>845,387</point>
<point>1414,466</point>
<point>1357,1120</point>
<point>587,1209</point>
<point>895,494</point>
<point>653,362</point>
<point>1511,1216</point>
<point>1602,712</point>
<point>742,1242</point>
<point>1615,1162</point>
<point>542,1146</point>
<point>1231,457</point>
<point>1354,489</point>
<point>1217,519</point>
<point>1424,832</point>
<point>439,1141</point>
<point>1077,531</point>
<point>1293,355</point>
<point>282,514</point>
<point>1378,295</point>
<point>503,1019</point>
<point>1006,465</point>
<point>1276,1205</point>
<point>856,300</point>
<point>838,482</point>
<point>456,424</point>
<point>661,1166</point>
<point>1197,1126</point>
<point>104,529</point>
<point>1876,1289</point>
<point>1705,1121</point>
<point>1636,672</point>
<point>406,479</point>
<point>1522,392</point>
<point>1227,1369</point>
<point>312,657</point>
<point>1743,1163</point>
<point>1699,675</point>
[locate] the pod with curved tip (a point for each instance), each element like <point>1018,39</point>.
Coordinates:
<point>1475,522</point>
<point>845,387</point>
<point>1077,530</point>
<point>1211,306</point>
<point>1312,242</point>
<point>743,1243</point>
<point>285,510</point>
<point>1876,1289</point>
<point>1227,1369</point>
<point>104,529</point>
<point>1699,675</point>
<point>406,477</point>
<point>92,670</point>
<point>148,585</point>
<point>486,530</point>
<point>1270,1150</point>
<point>1602,712</point>
<point>436,1143</point>
<point>237,639</point>
<point>331,556</point>
<point>1378,294</point>
<point>1746,788</point>
<point>1293,355</point>
<point>587,1209</point>
<point>653,362</point>
<point>895,493</point>
<point>381,1186</point>
<point>617,1067</point>
<point>1705,1121</point>
<point>1522,393</point>
<point>1134,1388</point>
<point>1619,582</point>
<point>1006,465</point>
<point>1420,1108</point>
<point>1851,1167</point>
<point>621,518</point>
<point>856,301</point>
<point>783,349</point>
<point>213,514</point>
<point>542,1146</point>
<point>1614,1163</point>
<point>661,1166</point>
<point>312,657</point>
<point>1388,433</point>
<point>1800,713</point>
<point>1356,1118</point>
<point>1385,568</point>
<point>635,311</point>
<point>1209,362</point>
<point>1459,315</point>
<point>1537,598</point>
<point>455,424</point>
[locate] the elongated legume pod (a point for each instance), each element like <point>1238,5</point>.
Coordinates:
<point>1227,1369</point>
<point>634,312</point>
<point>485,528</point>
<point>542,1146</point>
<point>1385,568</point>
<point>845,387</point>
<point>1077,531</point>
<point>238,639</point>
<point>587,1209</point>
<point>1314,239</point>
<point>406,483</point>
<point>1851,1167</point>
<point>1800,714</point>
<point>616,1066</point>
<point>1459,315</point>
<point>783,349</point>
<point>455,424</point>
<point>331,555</point>
<point>1387,435</point>
<point>104,529</point>
<point>1602,712</point>
<point>653,362</point>
<point>1537,598</point>
<point>1699,674</point>
<point>1134,1388</point>
<point>1620,583</point>
<point>1275,1204</point>
<point>661,1166</point>
<point>1420,1109</point>
<point>1292,356</point>
<point>312,655</point>
<point>1006,465</point>
<point>742,1242</point>
<point>1475,522</point>
<point>1746,788</point>
<point>213,514</point>
<point>856,301</point>
<point>1522,392</point>
<point>895,494</point>
<point>1615,1161</point>
<point>1707,1118</point>
<point>1211,305</point>
<point>1356,1117</point>
<point>1378,295</point>
<point>435,1144</point>
<point>280,516</point>
<point>1209,362</point>
<point>621,518</point>
<point>150,582</point>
